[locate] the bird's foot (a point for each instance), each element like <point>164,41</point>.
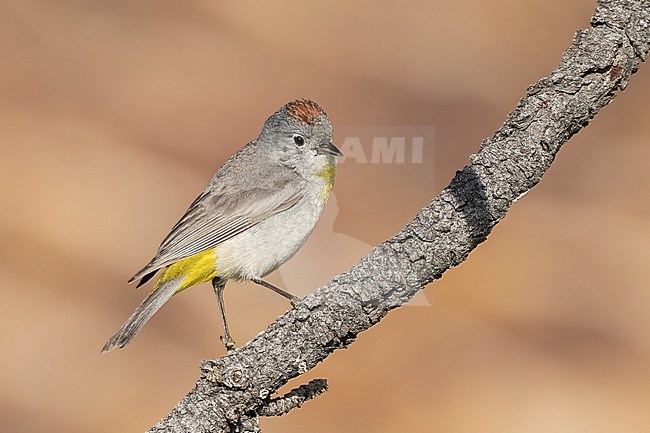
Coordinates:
<point>295,301</point>
<point>228,342</point>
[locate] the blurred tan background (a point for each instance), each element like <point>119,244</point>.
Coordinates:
<point>114,115</point>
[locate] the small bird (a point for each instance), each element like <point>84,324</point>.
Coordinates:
<point>254,215</point>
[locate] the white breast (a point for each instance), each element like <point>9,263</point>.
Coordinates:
<point>263,248</point>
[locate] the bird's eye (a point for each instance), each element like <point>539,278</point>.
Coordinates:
<point>300,142</point>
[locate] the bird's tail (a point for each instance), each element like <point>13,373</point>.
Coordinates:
<point>142,314</point>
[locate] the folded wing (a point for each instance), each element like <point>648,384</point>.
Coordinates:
<point>216,216</point>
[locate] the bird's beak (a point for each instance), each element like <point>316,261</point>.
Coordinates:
<point>329,149</point>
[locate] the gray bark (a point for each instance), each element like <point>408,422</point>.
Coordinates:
<point>235,390</point>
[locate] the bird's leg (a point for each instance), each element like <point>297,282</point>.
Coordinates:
<point>295,301</point>
<point>218,285</point>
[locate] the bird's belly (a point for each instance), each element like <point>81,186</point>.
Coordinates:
<point>263,248</point>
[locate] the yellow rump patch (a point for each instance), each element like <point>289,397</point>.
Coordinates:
<point>194,269</point>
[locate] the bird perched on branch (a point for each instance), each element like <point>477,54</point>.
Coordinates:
<point>254,215</point>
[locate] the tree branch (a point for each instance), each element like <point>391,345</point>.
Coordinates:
<point>234,390</point>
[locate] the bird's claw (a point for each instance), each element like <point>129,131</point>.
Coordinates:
<point>295,301</point>
<point>228,342</point>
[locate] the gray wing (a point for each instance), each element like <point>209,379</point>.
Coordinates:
<point>216,216</point>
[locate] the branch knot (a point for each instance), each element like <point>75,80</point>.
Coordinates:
<point>234,377</point>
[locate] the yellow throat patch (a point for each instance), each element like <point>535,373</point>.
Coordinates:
<point>194,269</point>
<point>327,173</point>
